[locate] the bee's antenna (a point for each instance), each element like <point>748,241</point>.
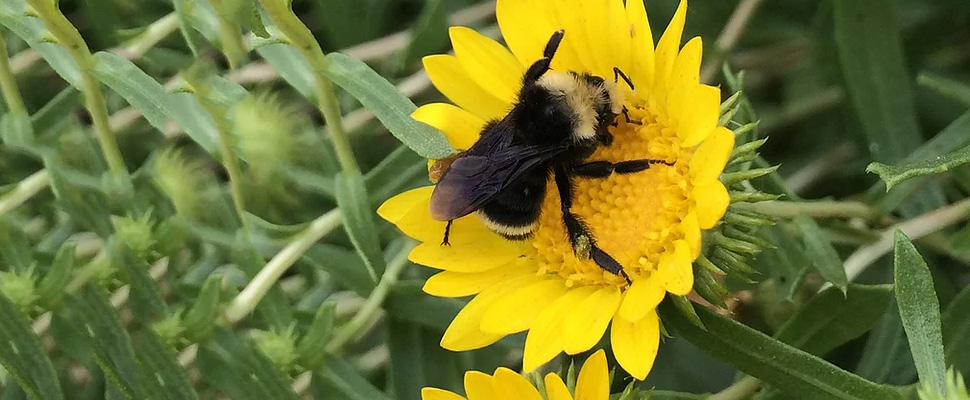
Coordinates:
<point>617,74</point>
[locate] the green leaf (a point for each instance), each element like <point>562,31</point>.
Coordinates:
<point>391,107</point>
<point>13,15</point>
<point>833,317</point>
<point>819,249</point>
<point>784,367</point>
<point>339,380</point>
<point>194,120</point>
<point>894,174</point>
<point>950,139</point>
<point>200,320</point>
<point>867,38</point>
<point>101,327</point>
<point>406,359</point>
<point>23,357</point>
<point>50,289</point>
<point>57,110</point>
<point>156,357</point>
<point>292,67</point>
<point>920,311</point>
<point>359,221</point>
<point>145,300</point>
<point>316,337</point>
<point>343,265</point>
<point>143,92</point>
<point>407,302</point>
<point>241,372</point>
<point>16,131</point>
<point>956,332</point>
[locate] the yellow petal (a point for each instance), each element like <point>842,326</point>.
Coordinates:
<point>574,50</point>
<point>479,386</point>
<point>606,33</point>
<point>675,269</point>
<point>461,284</point>
<point>684,76</point>
<point>641,298</point>
<point>699,116</point>
<point>635,344</point>
<point>556,389</point>
<point>438,394</point>
<point>711,156</point>
<point>692,233</point>
<point>396,207</point>
<point>418,224</point>
<point>669,44</point>
<point>525,28</point>
<point>516,311</point>
<point>545,339</point>
<point>510,385</point>
<point>642,39</point>
<point>587,321</point>
<point>459,126</point>
<point>594,379</point>
<point>492,66</point>
<point>449,77</point>
<point>466,258</point>
<point>712,200</point>
<point>464,332</point>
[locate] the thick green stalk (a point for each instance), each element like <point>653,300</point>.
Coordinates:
<point>8,83</point>
<point>67,36</point>
<point>300,37</point>
<point>26,189</point>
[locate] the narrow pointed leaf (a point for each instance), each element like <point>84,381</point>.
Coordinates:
<point>23,357</point>
<point>832,318</point>
<point>782,366</point>
<point>820,251</point>
<point>920,312</point>
<point>956,332</point>
<point>359,221</point>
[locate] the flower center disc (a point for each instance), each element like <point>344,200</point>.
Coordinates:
<point>633,217</point>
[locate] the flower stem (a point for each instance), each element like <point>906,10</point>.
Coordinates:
<point>741,389</point>
<point>26,189</point>
<point>229,34</point>
<point>68,37</point>
<point>732,32</point>
<point>8,83</point>
<point>300,37</point>
<point>373,303</point>
<point>246,301</point>
<point>815,209</point>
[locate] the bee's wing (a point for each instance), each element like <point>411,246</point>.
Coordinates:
<point>472,180</point>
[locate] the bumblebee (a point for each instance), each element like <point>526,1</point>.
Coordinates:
<point>557,122</point>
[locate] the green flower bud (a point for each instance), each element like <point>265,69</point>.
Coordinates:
<point>170,329</point>
<point>267,131</point>
<point>956,389</point>
<point>136,234</point>
<point>187,182</point>
<point>20,289</point>
<point>278,347</point>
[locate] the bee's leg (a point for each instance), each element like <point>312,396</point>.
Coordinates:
<point>617,74</point>
<point>582,241</point>
<point>538,68</point>
<point>444,242</point>
<point>603,169</point>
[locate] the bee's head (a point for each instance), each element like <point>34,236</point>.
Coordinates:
<point>590,101</point>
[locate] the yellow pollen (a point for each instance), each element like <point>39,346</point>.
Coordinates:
<point>633,217</point>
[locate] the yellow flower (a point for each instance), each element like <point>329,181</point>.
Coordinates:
<point>650,221</point>
<point>593,384</point>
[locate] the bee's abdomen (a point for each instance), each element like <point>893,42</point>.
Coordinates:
<point>514,213</point>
